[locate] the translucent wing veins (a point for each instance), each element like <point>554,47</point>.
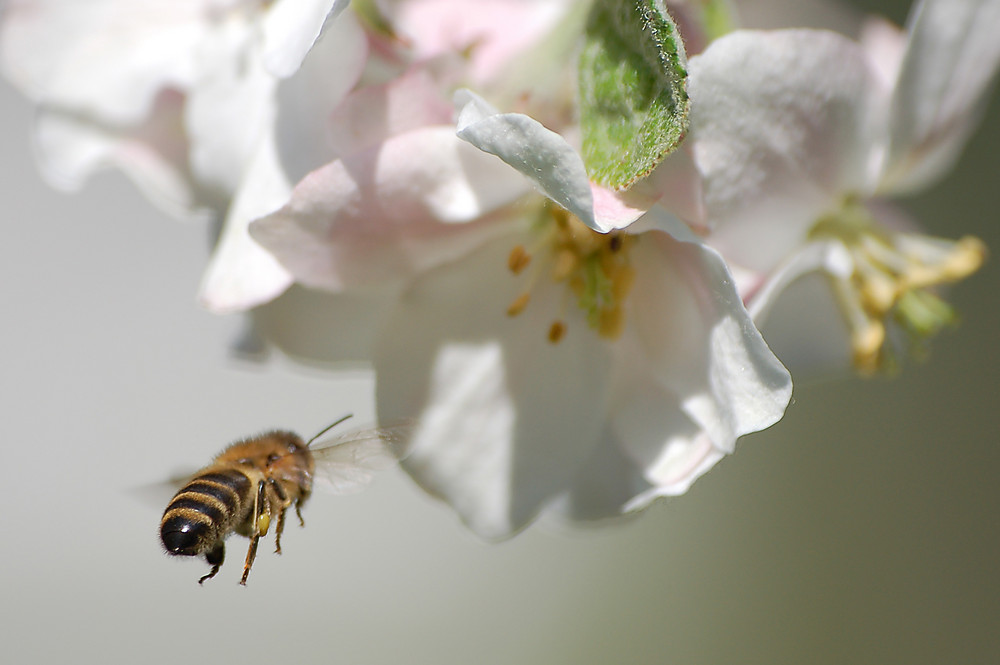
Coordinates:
<point>347,463</point>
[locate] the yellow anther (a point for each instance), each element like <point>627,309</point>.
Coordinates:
<point>565,262</point>
<point>966,257</point>
<point>866,347</point>
<point>892,281</point>
<point>878,292</point>
<point>557,331</point>
<point>518,259</point>
<point>519,303</point>
<point>593,267</point>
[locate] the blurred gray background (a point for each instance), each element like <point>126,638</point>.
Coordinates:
<point>860,529</point>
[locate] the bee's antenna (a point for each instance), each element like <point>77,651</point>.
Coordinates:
<point>328,428</point>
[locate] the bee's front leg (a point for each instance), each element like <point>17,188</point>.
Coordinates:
<point>280,526</point>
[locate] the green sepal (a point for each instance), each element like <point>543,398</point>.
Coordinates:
<point>633,90</point>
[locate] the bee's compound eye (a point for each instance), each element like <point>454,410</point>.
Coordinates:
<point>182,536</point>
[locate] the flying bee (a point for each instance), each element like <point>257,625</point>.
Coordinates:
<point>263,476</point>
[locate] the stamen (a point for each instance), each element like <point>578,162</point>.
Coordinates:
<point>519,303</point>
<point>557,331</point>
<point>892,277</point>
<point>518,259</point>
<point>611,322</point>
<point>593,269</point>
<point>565,263</point>
<point>867,333</point>
<point>965,257</point>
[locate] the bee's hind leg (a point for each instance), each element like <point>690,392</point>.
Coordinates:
<point>260,525</point>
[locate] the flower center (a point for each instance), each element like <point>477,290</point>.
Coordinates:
<point>593,267</point>
<point>891,282</point>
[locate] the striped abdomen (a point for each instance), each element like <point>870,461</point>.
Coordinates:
<point>205,511</point>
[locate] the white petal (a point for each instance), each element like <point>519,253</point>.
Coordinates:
<point>291,27</point>
<point>306,100</point>
<point>323,329</point>
<point>241,273</point>
<point>794,308</point>
<point>603,487</point>
<point>952,59</point>
<point>107,59</point>
<point>539,153</point>
<point>390,211</point>
<point>651,449</point>
<point>807,329</point>
<point>811,257</point>
<point>230,109</point>
<point>783,125</point>
<point>694,334</point>
<point>504,417</point>
<point>152,154</point>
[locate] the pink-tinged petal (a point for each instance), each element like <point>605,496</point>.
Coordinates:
<point>152,154</point>
<point>885,44</point>
<point>107,59</point>
<point>504,417</point>
<point>373,113</point>
<point>538,153</point>
<point>491,31</point>
<point>679,184</point>
<point>241,273</point>
<point>783,125</point>
<point>415,201</point>
<point>951,62</point>
<point>291,27</point>
<point>693,333</point>
<point>617,210</point>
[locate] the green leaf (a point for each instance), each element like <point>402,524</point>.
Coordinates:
<point>633,96</point>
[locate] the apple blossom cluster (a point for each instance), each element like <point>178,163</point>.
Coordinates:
<point>553,228</point>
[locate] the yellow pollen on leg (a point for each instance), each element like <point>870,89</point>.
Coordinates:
<point>263,523</point>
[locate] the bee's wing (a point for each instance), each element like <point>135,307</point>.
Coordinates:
<point>159,493</point>
<point>347,463</point>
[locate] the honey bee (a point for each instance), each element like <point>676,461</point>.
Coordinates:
<point>262,476</point>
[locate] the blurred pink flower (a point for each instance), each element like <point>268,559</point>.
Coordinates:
<point>210,106</point>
